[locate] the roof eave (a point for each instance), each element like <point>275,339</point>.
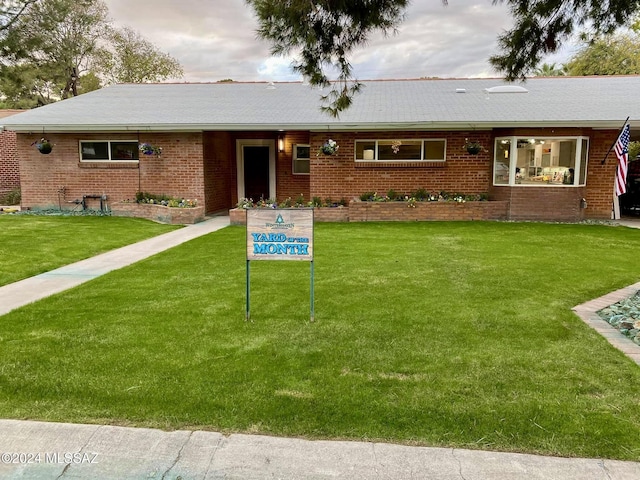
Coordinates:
<point>314,127</point>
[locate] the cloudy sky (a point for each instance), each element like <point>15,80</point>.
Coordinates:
<point>216,39</point>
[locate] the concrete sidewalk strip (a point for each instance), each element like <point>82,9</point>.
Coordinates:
<point>260,457</point>
<point>42,450</point>
<point>29,290</point>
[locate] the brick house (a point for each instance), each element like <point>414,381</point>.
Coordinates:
<point>542,141</point>
<point>9,167</point>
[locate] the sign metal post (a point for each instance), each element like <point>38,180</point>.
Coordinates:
<point>279,234</point>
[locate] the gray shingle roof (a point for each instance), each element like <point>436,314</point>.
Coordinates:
<point>601,102</point>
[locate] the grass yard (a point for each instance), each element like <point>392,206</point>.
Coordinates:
<point>442,334</point>
<point>31,244</point>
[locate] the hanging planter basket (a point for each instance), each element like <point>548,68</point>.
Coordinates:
<point>474,150</point>
<point>44,146</point>
<point>330,147</point>
<point>148,149</point>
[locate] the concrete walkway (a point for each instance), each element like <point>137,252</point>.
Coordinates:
<point>38,450</point>
<point>41,450</point>
<point>46,284</point>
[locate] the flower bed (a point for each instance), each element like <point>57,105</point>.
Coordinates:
<point>359,211</point>
<point>159,213</point>
<point>238,216</point>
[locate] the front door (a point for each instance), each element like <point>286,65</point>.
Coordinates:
<point>256,169</point>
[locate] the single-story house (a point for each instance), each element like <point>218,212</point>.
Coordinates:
<point>543,143</point>
<point>9,170</point>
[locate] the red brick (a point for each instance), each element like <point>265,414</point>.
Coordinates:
<point>9,167</point>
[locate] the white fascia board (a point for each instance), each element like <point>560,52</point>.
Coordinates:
<point>329,127</point>
<point>459,126</point>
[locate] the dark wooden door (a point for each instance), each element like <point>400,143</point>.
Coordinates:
<point>256,172</point>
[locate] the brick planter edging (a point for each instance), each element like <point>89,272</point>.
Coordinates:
<point>400,211</point>
<point>588,313</point>
<point>358,211</point>
<point>159,213</point>
<point>238,216</point>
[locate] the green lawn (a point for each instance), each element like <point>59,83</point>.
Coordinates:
<point>444,334</point>
<point>31,244</point>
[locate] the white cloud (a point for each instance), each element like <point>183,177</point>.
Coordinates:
<point>216,39</point>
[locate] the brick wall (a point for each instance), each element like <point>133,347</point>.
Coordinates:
<point>600,178</point>
<point>288,184</point>
<point>338,176</point>
<point>9,167</point>
<point>399,211</point>
<point>219,171</point>
<point>178,172</point>
<point>203,167</point>
<point>159,213</point>
<point>562,204</point>
<point>358,211</point>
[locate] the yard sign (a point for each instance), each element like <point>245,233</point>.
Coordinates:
<point>279,234</point>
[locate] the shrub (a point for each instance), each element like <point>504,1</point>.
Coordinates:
<point>11,198</point>
<point>165,200</point>
<point>420,194</point>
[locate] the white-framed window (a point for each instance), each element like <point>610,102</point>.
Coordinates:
<point>413,150</point>
<point>301,159</point>
<point>540,161</point>
<point>108,151</point>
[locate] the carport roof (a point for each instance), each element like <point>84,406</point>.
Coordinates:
<point>429,104</point>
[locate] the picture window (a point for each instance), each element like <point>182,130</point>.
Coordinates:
<point>541,161</point>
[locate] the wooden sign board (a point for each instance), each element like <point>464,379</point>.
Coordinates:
<point>280,234</point>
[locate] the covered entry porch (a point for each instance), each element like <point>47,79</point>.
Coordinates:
<point>253,165</point>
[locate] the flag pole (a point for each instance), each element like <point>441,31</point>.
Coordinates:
<point>615,213</point>
<point>615,141</point>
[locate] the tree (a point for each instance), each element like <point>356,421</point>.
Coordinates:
<point>634,151</point>
<point>541,26</point>
<point>549,70</point>
<point>133,59</point>
<point>326,32</point>
<point>59,48</point>
<point>10,11</point>
<point>608,55</point>
<point>54,42</point>
<point>25,86</point>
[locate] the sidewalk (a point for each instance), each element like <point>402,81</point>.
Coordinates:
<point>46,284</point>
<point>41,450</point>
<point>38,450</point>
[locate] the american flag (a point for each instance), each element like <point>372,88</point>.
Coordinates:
<point>622,152</point>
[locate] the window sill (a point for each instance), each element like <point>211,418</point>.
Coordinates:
<point>407,164</point>
<point>109,165</point>
<point>538,185</point>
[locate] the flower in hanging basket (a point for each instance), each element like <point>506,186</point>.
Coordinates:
<point>473,148</point>
<point>43,145</point>
<point>330,147</point>
<point>148,149</point>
